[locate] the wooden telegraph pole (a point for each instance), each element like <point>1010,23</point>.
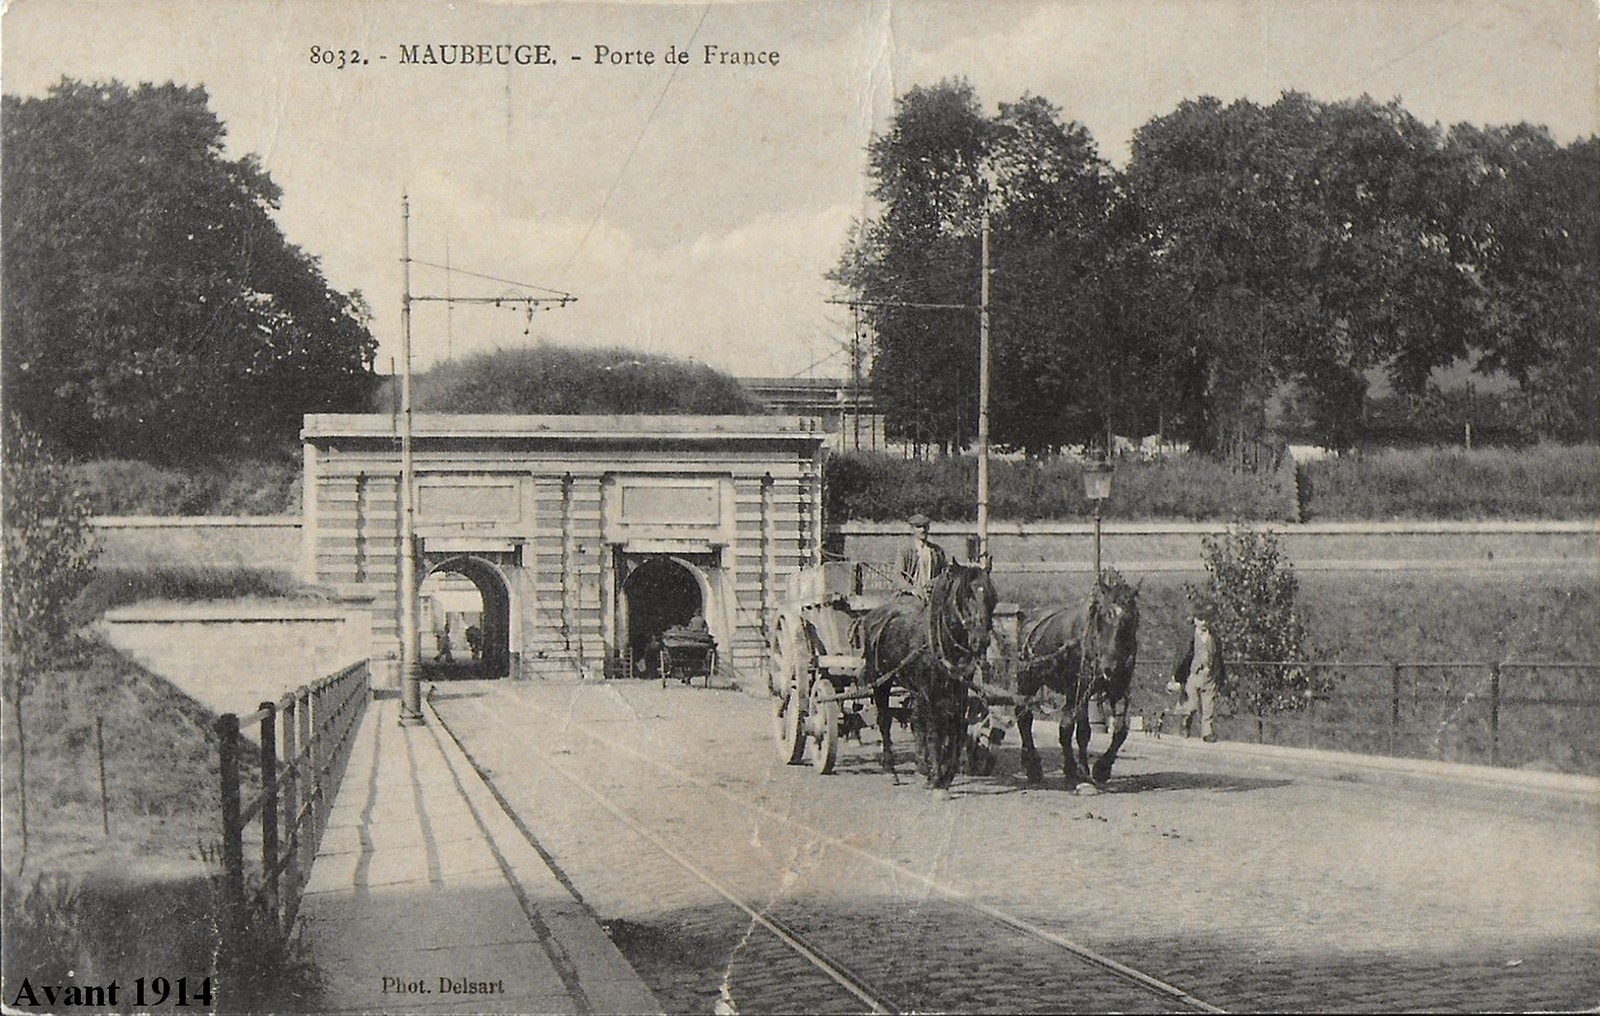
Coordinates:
<point>409,592</point>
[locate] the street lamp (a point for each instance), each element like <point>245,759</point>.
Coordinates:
<point>1097,487</point>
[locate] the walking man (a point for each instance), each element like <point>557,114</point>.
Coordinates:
<point>922,560</point>
<point>1196,678</point>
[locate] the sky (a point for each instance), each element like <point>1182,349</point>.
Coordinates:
<point>695,208</point>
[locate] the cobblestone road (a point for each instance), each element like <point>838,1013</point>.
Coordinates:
<point>1252,885</point>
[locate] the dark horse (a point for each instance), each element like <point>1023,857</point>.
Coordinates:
<point>931,649</point>
<point>1082,652</point>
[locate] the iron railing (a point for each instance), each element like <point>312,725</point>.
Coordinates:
<point>1540,714</point>
<point>304,741</point>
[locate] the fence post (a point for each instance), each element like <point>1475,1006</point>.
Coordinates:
<point>269,806</point>
<point>227,728</point>
<point>1394,708</point>
<point>318,804</point>
<point>1494,714</point>
<point>302,719</point>
<point>100,755</point>
<point>291,800</point>
<point>1311,717</point>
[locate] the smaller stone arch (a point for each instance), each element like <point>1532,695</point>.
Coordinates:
<point>658,592</point>
<point>495,623</point>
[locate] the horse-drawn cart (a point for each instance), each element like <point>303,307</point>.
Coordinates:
<point>687,652</point>
<point>850,651</point>
<point>816,667</point>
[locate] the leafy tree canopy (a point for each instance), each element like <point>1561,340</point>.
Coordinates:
<point>1247,252</point>
<point>558,380</point>
<point>153,308</point>
<point>1050,199</point>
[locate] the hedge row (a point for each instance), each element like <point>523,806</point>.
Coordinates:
<point>1547,481</point>
<point>1540,482</point>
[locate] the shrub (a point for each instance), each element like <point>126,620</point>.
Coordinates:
<point>1249,597</point>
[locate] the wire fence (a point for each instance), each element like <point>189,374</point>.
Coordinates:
<point>1536,714</point>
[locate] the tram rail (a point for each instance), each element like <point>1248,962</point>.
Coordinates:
<point>864,987</point>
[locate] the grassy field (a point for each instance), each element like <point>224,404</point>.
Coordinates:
<point>1543,482</point>
<point>1549,717</point>
<point>119,893</point>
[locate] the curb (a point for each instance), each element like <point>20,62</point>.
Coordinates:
<point>1537,781</point>
<point>604,975</point>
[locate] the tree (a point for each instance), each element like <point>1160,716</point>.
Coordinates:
<point>1249,598</point>
<point>153,309</point>
<point>49,558</point>
<point>1304,243</point>
<point>1528,224</point>
<point>1050,198</point>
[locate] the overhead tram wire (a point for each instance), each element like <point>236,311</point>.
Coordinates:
<point>407,585</point>
<point>490,278</point>
<point>638,139</point>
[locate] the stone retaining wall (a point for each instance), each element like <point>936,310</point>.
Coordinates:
<point>1139,547</point>
<point>232,656</point>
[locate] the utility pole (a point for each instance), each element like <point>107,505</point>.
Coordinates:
<point>410,640</point>
<point>983,390</point>
<point>855,373</point>
<point>409,592</point>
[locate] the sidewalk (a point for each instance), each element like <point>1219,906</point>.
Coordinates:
<point>425,898</point>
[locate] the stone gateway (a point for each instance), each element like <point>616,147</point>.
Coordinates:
<point>582,537</point>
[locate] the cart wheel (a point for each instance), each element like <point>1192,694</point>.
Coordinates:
<point>822,722</point>
<point>783,676</point>
<point>787,720</point>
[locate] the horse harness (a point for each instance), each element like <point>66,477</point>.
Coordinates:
<point>938,640</point>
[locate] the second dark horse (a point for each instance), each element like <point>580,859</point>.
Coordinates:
<point>1082,652</point>
<point>931,649</point>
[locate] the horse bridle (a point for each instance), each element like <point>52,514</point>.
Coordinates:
<point>942,637</point>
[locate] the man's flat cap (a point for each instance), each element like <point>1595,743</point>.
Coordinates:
<point>918,521</point>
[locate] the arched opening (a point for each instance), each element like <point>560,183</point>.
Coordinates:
<point>465,620</point>
<point>657,594</point>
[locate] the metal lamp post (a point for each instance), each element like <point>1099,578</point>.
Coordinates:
<point>1097,487</point>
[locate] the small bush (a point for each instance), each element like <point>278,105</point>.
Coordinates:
<point>1249,597</point>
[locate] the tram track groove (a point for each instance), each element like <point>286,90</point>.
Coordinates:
<point>832,968</point>
<point>1131,976</point>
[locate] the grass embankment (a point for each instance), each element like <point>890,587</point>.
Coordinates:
<point>120,587</point>
<point>1548,717</point>
<point>882,487</point>
<point>1542,482</point>
<point>140,899</point>
<point>225,487</point>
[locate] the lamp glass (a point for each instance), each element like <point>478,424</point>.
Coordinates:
<point>1097,480</point>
